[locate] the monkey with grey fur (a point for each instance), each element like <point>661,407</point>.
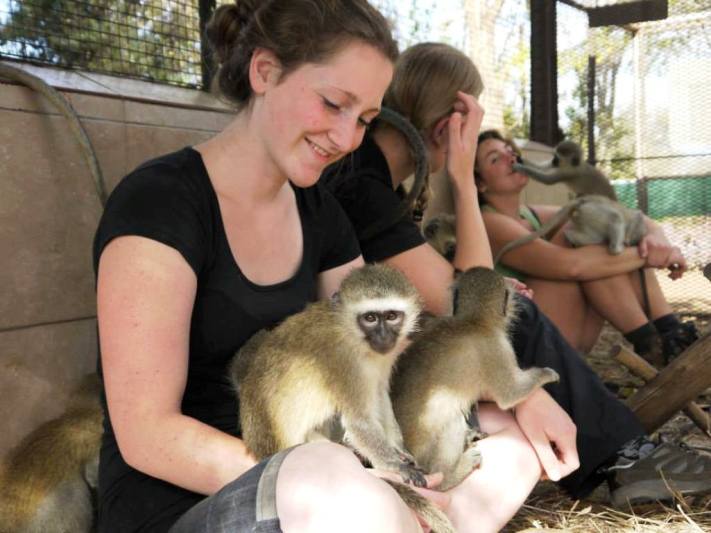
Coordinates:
<point>441,233</point>
<point>332,361</point>
<point>569,167</point>
<point>48,479</point>
<point>455,362</point>
<point>595,220</point>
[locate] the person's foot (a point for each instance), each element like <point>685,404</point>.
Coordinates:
<point>658,475</point>
<point>652,349</point>
<point>678,339</point>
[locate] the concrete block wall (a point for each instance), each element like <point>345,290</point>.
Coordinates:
<point>49,210</point>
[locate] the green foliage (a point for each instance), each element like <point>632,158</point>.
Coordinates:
<point>135,38</point>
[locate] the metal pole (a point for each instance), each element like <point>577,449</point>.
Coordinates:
<point>591,109</point>
<point>205,9</point>
<point>544,73</point>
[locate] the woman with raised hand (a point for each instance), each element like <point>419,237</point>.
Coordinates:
<point>436,88</point>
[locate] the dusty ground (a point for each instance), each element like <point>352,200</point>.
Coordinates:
<point>550,509</point>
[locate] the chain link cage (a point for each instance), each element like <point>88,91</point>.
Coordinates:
<point>648,86</point>
<point>145,39</point>
<point>647,83</point>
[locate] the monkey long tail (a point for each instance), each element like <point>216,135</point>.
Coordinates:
<point>66,109</point>
<point>419,152</point>
<point>435,518</point>
<point>546,231</point>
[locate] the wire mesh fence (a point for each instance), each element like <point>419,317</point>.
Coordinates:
<point>652,135</point>
<point>149,39</point>
<point>649,81</point>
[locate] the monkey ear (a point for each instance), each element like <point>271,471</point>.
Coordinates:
<point>335,299</point>
<point>431,228</point>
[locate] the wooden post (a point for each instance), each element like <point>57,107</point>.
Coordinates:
<point>674,386</point>
<point>647,372</point>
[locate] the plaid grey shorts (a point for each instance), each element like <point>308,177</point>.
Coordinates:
<point>247,504</point>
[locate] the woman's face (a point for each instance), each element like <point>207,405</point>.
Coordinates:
<point>319,112</point>
<point>494,160</point>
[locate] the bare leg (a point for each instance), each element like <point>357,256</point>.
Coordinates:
<point>564,302</point>
<point>616,300</point>
<point>658,304</point>
<point>567,306</point>
<point>487,499</point>
<point>323,487</point>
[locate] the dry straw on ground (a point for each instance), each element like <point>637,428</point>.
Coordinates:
<point>549,509</point>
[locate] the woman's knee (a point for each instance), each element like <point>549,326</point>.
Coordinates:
<point>323,485</point>
<point>508,445</point>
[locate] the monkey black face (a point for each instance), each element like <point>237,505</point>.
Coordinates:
<point>381,328</point>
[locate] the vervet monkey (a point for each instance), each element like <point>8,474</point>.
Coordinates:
<point>454,363</point>
<point>441,233</point>
<point>595,219</point>
<point>332,361</point>
<point>47,480</point>
<point>569,167</point>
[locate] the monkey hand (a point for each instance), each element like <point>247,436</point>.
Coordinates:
<point>413,474</point>
<point>473,435</point>
<point>406,457</point>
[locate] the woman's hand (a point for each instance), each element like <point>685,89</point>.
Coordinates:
<point>551,432</point>
<point>463,131</point>
<point>660,253</point>
<point>520,287</point>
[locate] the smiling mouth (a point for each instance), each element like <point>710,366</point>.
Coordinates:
<point>318,150</point>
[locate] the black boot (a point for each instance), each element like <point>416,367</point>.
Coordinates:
<point>647,344</point>
<point>676,336</point>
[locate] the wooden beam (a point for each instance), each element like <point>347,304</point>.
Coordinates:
<point>647,372</point>
<point>628,12</point>
<point>675,386</point>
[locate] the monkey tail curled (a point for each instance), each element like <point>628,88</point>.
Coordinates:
<point>419,152</point>
<point>66,109</point>
<point>435,518</point>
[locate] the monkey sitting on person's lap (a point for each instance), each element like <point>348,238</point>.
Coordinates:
<point>329,367</point>
<point>455,362</point>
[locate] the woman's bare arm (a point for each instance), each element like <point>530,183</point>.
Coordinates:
<point>463,130</point>
<point>145,293</point>
<point>330,280</point>
<point>545,260</point>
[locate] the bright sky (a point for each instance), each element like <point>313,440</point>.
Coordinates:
<point>4,9</point>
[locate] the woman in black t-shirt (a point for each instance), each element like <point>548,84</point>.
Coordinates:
<point>199,249</point>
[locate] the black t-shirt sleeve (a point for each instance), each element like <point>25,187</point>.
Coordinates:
<point>340,244</point>
<point>367,200</point>
<point>158,202</point>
